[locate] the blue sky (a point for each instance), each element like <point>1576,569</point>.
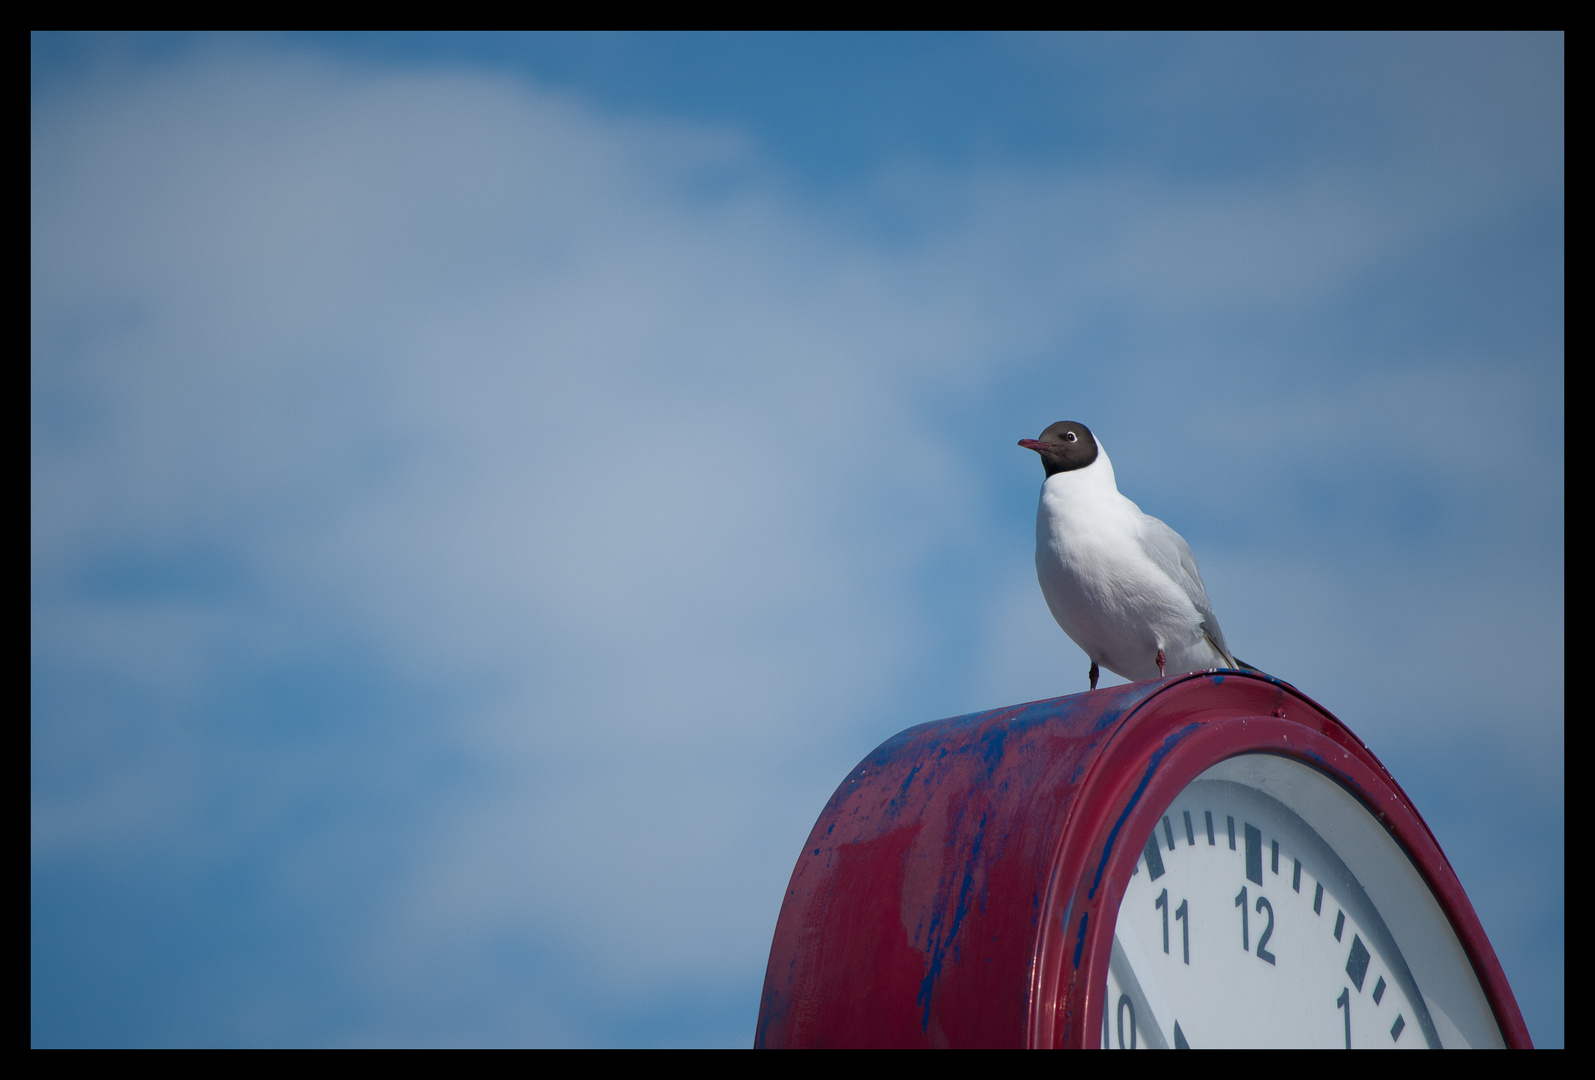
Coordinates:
<point>487,491</point>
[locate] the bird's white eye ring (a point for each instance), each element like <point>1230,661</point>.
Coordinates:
<point>1068,436</point>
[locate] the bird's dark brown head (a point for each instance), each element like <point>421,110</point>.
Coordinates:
<point>1064,447</point>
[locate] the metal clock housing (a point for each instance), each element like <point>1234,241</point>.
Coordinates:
<point>1062,874</point>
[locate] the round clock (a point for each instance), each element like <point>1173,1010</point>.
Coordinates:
<point>1209,860</point>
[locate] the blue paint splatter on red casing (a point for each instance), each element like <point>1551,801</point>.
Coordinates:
<point>1146,778</point>
<point>927,986</point>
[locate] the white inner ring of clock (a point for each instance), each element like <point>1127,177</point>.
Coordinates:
<point>1341,942</point>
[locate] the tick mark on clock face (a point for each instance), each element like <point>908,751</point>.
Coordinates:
<point>1154,858</point>
<point>1357,962</point>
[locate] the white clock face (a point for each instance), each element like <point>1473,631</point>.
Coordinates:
<point>1270,909</point>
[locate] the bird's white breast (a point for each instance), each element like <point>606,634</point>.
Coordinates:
<point>1103,589</point>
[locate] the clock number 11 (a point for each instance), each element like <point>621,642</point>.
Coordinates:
<point>1183,914</point>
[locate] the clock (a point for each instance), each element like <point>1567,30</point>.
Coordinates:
<point>1208,860</point>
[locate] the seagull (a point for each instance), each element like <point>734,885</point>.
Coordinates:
<point>1123,585</point>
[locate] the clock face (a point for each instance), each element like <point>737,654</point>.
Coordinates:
<point>1270,909</point>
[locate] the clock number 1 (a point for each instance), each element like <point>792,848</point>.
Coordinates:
<point>1344,1002</point>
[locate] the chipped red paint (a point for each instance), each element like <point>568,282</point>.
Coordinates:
<point>960,886</point>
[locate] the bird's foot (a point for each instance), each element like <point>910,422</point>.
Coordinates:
<point>1093,674</point>
<point>1161,665</point>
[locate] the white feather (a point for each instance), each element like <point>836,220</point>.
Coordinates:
<point>1122,584</point>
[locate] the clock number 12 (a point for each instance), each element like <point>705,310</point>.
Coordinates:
<point>1268,932</point>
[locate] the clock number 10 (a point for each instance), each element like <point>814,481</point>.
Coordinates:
<point>1183,914</point>
<point>1268,931</point>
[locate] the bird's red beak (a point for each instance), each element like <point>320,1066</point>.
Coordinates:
<point>1033,444</point>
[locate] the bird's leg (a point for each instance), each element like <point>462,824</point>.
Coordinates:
<point>1093,673</point>
<point>1161,664</point>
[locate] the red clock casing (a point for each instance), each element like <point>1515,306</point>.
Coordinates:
<point>961,886</point>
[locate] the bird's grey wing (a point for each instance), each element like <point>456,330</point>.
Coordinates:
<point>1172,554</point>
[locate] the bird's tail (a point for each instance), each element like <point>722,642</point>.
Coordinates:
<point>1229,657</point>
<point>1244,666</point>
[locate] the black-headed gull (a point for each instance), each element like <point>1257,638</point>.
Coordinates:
<point>1123,585</point>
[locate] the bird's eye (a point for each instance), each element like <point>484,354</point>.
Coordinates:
<point>1068,436</point>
